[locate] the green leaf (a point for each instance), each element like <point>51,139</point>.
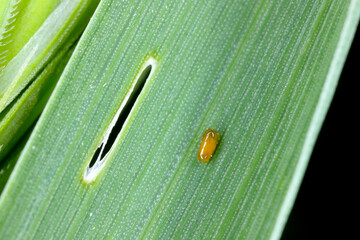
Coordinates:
<point>261,73</point>
<point>28,79</point>
<point>8,165</point>
<point>60,30</point>
<point>19,20</point>
<point>23,111</point>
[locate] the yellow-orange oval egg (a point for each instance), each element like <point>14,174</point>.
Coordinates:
<point>208,145</point>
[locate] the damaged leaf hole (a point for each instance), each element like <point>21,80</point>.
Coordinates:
<point>112,133</point>
<point>105,147</point>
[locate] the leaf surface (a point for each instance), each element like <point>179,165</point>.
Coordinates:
<point>33,52</point>
<point>261,73</point>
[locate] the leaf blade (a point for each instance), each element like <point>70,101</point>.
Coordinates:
<point>257,86</point>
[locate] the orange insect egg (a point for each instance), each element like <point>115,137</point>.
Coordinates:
<point>208,145</point>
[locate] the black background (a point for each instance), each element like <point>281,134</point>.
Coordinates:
<point>324,206</point>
